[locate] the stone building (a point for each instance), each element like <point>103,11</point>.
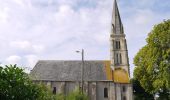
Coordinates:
<point>102,79</point>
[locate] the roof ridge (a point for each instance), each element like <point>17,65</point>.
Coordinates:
<point>72,60</point>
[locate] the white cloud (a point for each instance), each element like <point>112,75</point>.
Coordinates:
<point>26,46</point>
<point>31,60</point>
<point>4,14</point>
<point>21,44</point>
<point>38,48</point>
<point>26,62</point>
<point>54,29</point>
<point>19,2</point>
<point>143,17</point>
<point>15,59</point>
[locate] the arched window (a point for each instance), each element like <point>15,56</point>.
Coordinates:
<point>54,90</point>
<point>118,58</point>
<point>105,93</point>
<point>117,44</point>
<point>124,89</point>
<point>124,97</point>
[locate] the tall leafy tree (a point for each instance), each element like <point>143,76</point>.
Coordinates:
<point>153,62</point>
<point>140,93</point>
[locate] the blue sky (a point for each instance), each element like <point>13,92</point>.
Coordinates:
<point>31,30</point>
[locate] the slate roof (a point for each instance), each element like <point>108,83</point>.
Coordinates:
<point>57,70</point>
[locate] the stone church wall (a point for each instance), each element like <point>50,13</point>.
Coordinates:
<point>95,90</point>
<point>123,91</point>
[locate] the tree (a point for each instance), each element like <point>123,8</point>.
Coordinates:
<point>139,93</point>
<point>153,62</point>
<point>16,85</point>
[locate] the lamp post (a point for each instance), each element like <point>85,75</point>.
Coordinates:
<point>82,69</point>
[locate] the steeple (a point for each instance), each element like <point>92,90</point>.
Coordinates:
<point>117,27</point>
<point>119,52</point>
<point>119,58</point>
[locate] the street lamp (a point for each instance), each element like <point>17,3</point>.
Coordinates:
<point>82,69</point>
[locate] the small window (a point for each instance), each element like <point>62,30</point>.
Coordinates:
<point>113,26</point>
<point>117,43</point>
<point>54,90</point>
<point>124,89</point>
<point>118,58</point>
<point>124,97</point>
<point>105,93</point>
<point>80,88</point>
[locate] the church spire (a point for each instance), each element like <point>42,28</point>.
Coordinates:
<point>119,58</point>
<point>118,48</point>
<point>117,27</point>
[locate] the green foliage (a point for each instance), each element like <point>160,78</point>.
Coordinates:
<point>76,95</point>
<point>60,96</point>
<point>139,93</point>
<point>45,93</point>
<point>16,85</point>
<point>153,61</point>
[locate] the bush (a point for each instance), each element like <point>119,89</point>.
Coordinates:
<point>77,95</point>
<point>16,85</point>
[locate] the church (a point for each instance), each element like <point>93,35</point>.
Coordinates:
<point>99,79</point>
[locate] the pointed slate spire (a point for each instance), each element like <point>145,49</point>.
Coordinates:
<point>117,26</point>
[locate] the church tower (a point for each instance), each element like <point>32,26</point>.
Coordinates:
<point>119,57</point>
<point>119,52</point>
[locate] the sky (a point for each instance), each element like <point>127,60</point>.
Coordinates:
<point>32,30</point>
